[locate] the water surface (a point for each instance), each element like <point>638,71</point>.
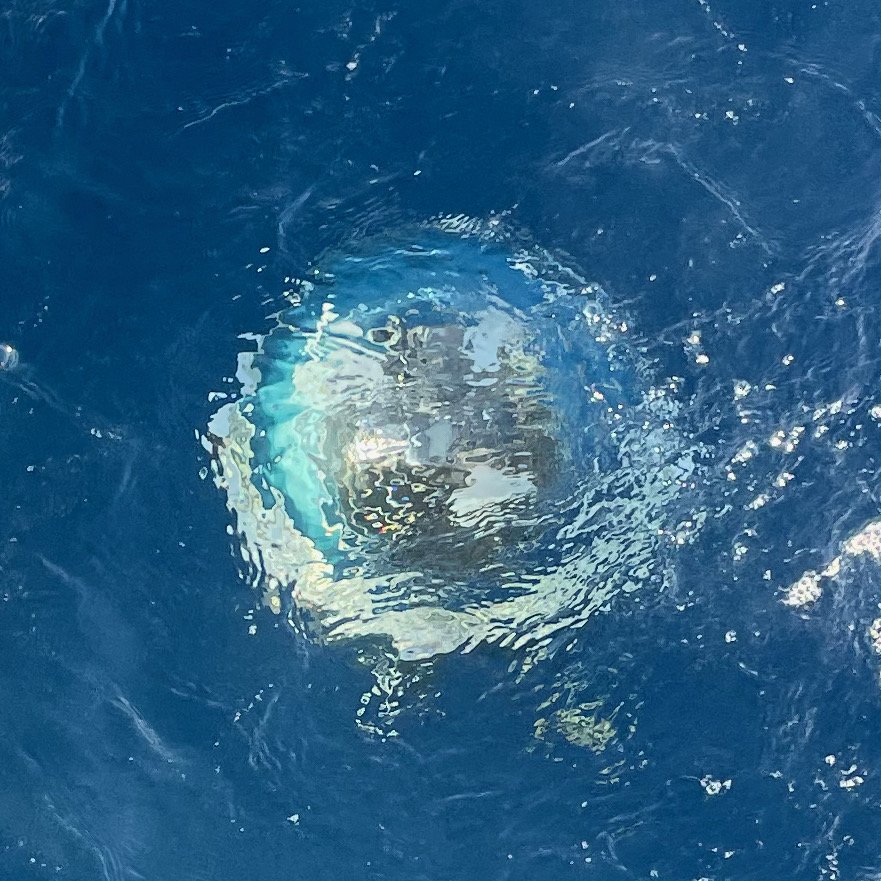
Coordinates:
<point>712,168</point>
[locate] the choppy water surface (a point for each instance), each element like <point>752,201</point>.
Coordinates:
<point>444,442</point>
<point>440,442</point>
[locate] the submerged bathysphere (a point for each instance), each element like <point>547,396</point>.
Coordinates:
<point>446,441</point>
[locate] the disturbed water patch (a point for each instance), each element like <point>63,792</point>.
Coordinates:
<point>448,440</point>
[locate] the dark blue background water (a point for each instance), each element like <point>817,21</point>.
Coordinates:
<point>686,156</point>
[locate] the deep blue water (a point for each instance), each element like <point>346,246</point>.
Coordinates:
<point>690,159</point>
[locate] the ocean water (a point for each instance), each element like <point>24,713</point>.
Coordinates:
<point>706,176</point>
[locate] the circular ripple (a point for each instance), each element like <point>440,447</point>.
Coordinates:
<point>447,441</point>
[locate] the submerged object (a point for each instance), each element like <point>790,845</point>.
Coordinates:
<point>446,441</point>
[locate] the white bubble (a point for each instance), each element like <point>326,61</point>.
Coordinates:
<point>8,357</point>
